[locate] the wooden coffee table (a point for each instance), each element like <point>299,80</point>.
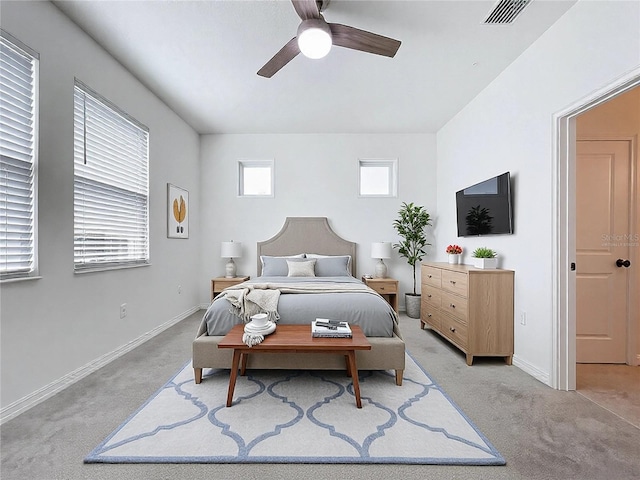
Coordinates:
<point>294,339</point>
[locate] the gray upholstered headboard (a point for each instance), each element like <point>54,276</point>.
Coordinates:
<point>307,235</point>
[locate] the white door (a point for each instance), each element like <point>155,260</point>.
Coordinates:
<point>603,193</point>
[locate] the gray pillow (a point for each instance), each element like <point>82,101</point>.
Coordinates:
<point>301,269</point>
<point>277,266</point>
<point>337,266</point>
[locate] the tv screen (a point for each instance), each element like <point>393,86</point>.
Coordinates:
<point>485,208</point>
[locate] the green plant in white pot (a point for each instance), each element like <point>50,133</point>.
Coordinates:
<point>410,225</point>
<point>485,258</point>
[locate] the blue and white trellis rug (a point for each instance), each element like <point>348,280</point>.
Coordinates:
<point>299,417</point>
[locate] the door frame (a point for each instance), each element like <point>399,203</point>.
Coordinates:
<point>563,361</point>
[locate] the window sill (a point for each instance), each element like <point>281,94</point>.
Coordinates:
<point>21,279</point>
<point>107,269</point>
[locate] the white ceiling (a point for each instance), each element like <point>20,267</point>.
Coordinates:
<point>201,59</point>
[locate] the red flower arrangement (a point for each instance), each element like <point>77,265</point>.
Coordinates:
<point>454,249</point>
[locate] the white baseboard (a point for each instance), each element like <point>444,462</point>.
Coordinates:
<point>40,395</point>
<point>535,372</point>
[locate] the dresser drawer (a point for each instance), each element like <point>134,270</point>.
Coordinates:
<point>431,295</point>
<point>430,315</point>
<point>454,305</point>
<point>431,276</point>
<point>455,330</point>
<point>455,282</point>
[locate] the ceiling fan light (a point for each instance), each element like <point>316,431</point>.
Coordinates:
<point>314,40</point>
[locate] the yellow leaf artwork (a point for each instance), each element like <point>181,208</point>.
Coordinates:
<point>179,209</point>
<point>177,212</point>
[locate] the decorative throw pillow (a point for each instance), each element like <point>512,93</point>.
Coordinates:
<point>332,265</point>
<point>301,269</point>
<point>276,266</point>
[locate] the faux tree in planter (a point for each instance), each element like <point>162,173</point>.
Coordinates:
<point>410,225</point>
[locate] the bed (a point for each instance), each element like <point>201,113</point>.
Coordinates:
<point>305,241</point>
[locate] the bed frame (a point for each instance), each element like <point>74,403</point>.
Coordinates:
<point>304,235</point>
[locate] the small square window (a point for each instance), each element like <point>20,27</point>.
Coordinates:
<point>378,177</point>
<point>255,178</point>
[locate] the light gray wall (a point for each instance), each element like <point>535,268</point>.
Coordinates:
<point>61,322</point>
<point>509,127</point>
<point>316,175</point>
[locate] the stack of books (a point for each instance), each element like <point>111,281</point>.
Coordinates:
<point>322,327</point>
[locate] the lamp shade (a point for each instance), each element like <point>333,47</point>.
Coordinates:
<point>231,249</point>
<point>381,250</point>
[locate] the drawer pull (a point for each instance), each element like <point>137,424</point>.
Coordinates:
<point>429,315</point>
<point>452,305</point>
<point>429,295</point>
<point>428,276</point>
<point>381,288</point>
<point>452,329</point>
<point>452,281</point>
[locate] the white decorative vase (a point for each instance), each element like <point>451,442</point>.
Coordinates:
<point>259,319</point>
<point>454,258</point>
<point>486,263</point>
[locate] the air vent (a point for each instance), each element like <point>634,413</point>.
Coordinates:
<point>506,11</point>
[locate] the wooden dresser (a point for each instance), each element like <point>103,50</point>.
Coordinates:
<point>470,307</point>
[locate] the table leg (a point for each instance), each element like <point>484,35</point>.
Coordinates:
<point>243,363</point>
<point>348,367</point>
<point>354,377</point>
<point>234,374</point>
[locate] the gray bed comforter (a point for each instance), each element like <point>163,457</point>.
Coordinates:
<point>364,308</point>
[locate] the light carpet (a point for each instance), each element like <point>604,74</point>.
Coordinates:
<point>282,416</point>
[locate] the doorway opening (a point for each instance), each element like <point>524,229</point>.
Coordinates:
<point>564,229</point>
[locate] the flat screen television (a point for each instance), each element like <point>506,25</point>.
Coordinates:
<point>485,208</point>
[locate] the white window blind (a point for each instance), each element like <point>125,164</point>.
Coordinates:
<point>111,187</point>
<point>18,139</point>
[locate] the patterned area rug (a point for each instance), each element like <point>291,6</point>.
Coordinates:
<point>299,417</point>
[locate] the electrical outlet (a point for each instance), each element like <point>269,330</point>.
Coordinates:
<point>523,318</point>
<point>179,289</point>
<point>123,310</point>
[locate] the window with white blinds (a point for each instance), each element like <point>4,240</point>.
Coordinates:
<point>18,153</point>
<point>111,185</point>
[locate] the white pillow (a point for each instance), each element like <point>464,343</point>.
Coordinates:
<point>301,269</point>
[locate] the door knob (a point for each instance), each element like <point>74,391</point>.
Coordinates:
<point>623,263</point>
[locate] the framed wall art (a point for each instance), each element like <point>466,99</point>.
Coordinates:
<point>177,212</point>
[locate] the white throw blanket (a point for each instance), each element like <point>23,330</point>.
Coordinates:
<point>248,301</point>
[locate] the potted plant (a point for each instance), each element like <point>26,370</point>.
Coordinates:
<point>485,258</point>
<point>454,252</point>
<point>410,224</point>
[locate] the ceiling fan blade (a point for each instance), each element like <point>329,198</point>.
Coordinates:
<point>280,59</point>
<point>306,9</point>
<point>356,39</point>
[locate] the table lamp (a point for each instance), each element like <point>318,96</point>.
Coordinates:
<point>380,250</point>
<point>231,250</point>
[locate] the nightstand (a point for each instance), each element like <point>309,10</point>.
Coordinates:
<point>387,287</point>
<point>220,283</point>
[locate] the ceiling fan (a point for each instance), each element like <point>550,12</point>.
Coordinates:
<point>315,37</point>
